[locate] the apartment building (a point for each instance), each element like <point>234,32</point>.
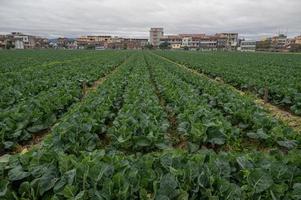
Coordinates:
<point>93,41</point>
<point>297,40</point>
<point>155,35</point>
<point>279,42</point>
<point>22,41</point>
<point>208,43</point>
<point>175,41</point>
<point>248,46</point>
<point>195,41</point>
<point>231,40</point>
<point>295,44</point>
<point>134,43</point>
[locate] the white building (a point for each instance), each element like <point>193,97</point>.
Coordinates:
<point>186,41</point>
<point>231,40</point>
<point>19,44</point>
<point>248,46</point>
<point>28,41</point>
<point>155,35</point>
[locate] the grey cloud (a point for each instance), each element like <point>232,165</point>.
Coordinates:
<point>251,18</point>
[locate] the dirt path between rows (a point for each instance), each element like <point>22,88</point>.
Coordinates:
<point>280,114</point>
<point>175,138</point>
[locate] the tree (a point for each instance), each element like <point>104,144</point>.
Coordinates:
<point>125,46</point>
<point>90,47</point>
<point>9,45</point>
<point>186,48</point>
<point>149,46</point>
<point>164,45</point>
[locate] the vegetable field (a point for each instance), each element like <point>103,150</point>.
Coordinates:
<point>133,125</point>
<point>278,74</point>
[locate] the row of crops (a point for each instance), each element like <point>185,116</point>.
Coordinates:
<point>33,58</point>
<point>33,98</point>
<point>154,130</point>
<point>279,74</point>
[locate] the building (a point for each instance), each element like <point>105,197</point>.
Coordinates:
<point>297,40</point>
<point>91,41</point>
<point>27,40</point>
<point>174,41</point>
<point>201,42</point>
<point>208,43</point>
<point>248,46</point>
<point>2,41</point>
<point>62,42</point>
<point>134,43</point>
<point>186,42</point>
<point>231,40</point>
<point>155,35</point>
<point>41,43</point>
<point>295,44</point>
<point>279,42</point>
<point>19,44</point>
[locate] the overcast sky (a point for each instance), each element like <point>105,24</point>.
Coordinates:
<point>133,18</point>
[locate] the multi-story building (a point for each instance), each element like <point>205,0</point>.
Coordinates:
<point>186,42</point>
<point>2,41</point>
<point>279,42</point>
<point>23,41</point>
<point>19,44</point>
<point>134,43</point>
<point>248,46</point>
<point>155,35</point>
<point>208,43</point>
<point>295,44</point>
<point>41,43</point>
<point>231,40</point>
<point>198,35</point>
<point>196,41</point>
<point>94,41</point>
<point>297,40</point>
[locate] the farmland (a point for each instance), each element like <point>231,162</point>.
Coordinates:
<point>135,125</point>
<point>279,74</point>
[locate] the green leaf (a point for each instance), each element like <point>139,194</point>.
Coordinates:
<point>69,191</point>
<point>258,135</point>
<point>289,144</point>
<point>168,184</point>
<point>5,158</point>
<point>24,188</point>
<point>260,180</point>
<point>47,181</point>
<point>36,128</point>
<point>8,144</point>
<point>142,141</point>
<point>80,196</point>
<point>17,173</point>
<point>297,191</point>
<point>3,187</point>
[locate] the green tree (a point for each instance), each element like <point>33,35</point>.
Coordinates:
<point>164,45</point>
<point>186,48</point>
<point>148,46</point>
<point>10,45</point>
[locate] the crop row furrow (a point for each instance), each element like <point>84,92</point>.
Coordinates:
<point>177,140</point>
<point>245,120</point>
<point>271,77</point>
<point>18,87</point>
<point>86,126</point>
<point>141,124</point>
<point>29,118</point>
